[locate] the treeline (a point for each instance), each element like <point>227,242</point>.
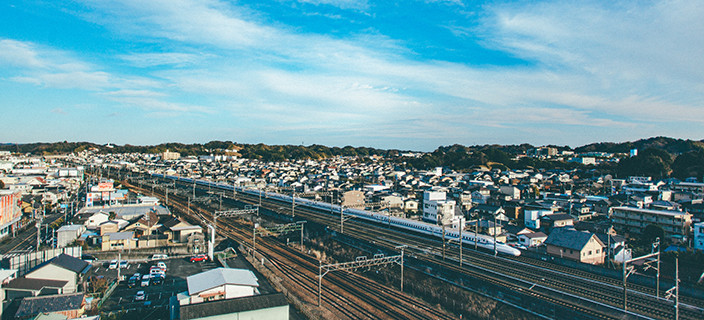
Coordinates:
<point>659,157</point>
<point>462,158</point>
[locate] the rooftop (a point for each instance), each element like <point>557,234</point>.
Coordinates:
<point>220,276</point>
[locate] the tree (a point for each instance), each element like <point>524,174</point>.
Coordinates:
<point>112,215</point>
<point>651,232</point>
<point>690,164</point>
<point>2,185</point>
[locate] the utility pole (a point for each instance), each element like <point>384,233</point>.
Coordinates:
<point>476,228</point>
<point>460,243</point>
<point>494,235</point>
<point>677,288</point>
<point>293,203</point>
<point>443,242</point>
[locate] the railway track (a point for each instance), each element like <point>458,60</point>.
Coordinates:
<point>604,290</point>
<point>342,291</point>
<point>601,289</point>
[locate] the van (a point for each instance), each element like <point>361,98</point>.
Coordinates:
<point>160,257</point>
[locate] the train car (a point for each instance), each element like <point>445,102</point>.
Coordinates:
<point>468,238</point>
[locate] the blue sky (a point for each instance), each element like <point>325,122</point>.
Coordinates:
<point>407,75</point>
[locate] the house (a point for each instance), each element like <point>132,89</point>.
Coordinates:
<point>218,284</point>
<point>70,305</point>
<point>559,220</point>
<point>62,267</point>
<point>96,219</point>
<point>118,240</point>
<point>146,225</point>
<point>68,233</point>
<point>534,239</point>
<point>178,230</point>
<point>28,287</point>
<point>112,226</point>
<point>575,245</point>
<point>489,211</point>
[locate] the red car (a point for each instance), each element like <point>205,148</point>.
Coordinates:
<point>199,258</point>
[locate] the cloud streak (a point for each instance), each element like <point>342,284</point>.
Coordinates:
<point>606,68</point>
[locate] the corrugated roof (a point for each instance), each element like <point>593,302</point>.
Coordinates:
<point>34,284</point>
<point>228,306</point>
<point>569,238</point>
<point>115,236</point>
<point>70,263</point>
<point>220,276</point>
<point>34,305</point>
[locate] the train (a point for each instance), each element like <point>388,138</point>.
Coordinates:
<point>468,238</point>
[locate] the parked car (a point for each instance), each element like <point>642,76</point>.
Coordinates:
<point>132,281</point>
<point>157,279</point>
<point>140,296</point>
<point>161,265</point>
<point>124,264</point>
<point>156,270</point>
<point>88,258</point>
<point>145,280</point>
<point>113,264</point>
<point>160,257</point>
<point>199,258</point>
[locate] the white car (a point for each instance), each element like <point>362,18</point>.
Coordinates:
<point>161,265</point>
<point>140,296</point>
<point>145,280</point>
<point>113,264</point>
<point>160,257</point>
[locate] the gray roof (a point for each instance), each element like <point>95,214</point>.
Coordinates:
<point>569,238</point>
<point>71,227</point>
<point>228,306</point>
<point>115,236</point>
<point>128,212</point>
<point>218,277</point>
<point>31,306</point>
<point>67,262</point>
<point>30,284</point>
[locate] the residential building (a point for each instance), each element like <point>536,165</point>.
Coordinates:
<point>436,208</point>
<point>70,305</point>
<point>63,268</point>
<point>675,224</point>
<point>68,233</point>
<point>699,236</point>
<point>575,245</point>
<point>10,212</point>
<point>532,239</point>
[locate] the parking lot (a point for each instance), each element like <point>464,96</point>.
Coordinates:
<point>157,296</point>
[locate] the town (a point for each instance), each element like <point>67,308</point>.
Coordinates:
<point>102,234</point>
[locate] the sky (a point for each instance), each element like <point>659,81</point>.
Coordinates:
<point>410,75</point>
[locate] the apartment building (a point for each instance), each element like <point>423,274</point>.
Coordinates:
<point>675,224</point>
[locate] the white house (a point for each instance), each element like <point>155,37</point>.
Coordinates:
<point>68,233</point>
<point>96,219</point>
<point>435,205</point>
<point>531,217</point>
<point>219,284</point>
<point>532,239</point>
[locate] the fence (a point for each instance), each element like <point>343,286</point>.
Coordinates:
<point>24,262</point>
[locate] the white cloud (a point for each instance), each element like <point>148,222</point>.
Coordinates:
<point>342,4</point>
<point>17,53</point>
<point>143,60</point>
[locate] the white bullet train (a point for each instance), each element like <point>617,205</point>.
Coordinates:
<point>412,225</point>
